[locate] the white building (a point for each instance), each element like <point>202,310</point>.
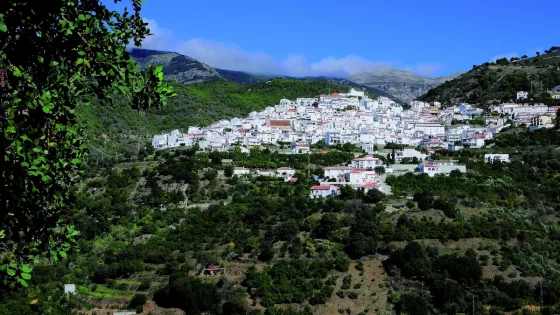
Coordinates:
<point>324,191</point>
<point>367,162</point>
<point>429,169</point>
<point>239,171</point>
<point>522,95</point>
<point>286,171</point>
<point>410,153</point>
<point>493,158</point>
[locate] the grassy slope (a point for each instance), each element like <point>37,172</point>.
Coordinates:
<point>195,105</point>
<point>491,82</point>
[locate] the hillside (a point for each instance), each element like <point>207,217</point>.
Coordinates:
<point>184,69</point>
<point>402,84</point>
<point>500,81</point>
<point>197,104</point>
<point>187,70</point>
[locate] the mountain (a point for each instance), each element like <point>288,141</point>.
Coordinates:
<point>402,84</point>
<point>501,80</point>
<point>186,70</point>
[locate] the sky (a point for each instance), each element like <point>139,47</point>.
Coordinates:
<point>311,38</point>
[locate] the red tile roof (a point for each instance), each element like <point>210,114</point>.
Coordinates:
<point>323,187</point>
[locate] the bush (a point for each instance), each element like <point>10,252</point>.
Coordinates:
<point>138,300</point>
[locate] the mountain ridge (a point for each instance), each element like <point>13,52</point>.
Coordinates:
<point>500,81</point>
<point>187,70</point>
<point>402,84</point>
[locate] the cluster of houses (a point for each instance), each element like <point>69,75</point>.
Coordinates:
<point>355,118</point>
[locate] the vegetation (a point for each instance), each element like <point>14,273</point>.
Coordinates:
<point>151,223</point>
<point>501,80</point>
<point>120,130</point>
<point>79,53</point>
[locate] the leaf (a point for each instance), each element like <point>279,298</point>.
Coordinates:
<point>62,254</point>
<point>26,276</point>
<point>23,282</point>
<point>47,108</point>
<point>76,161</point>
<point>3,27</point>
<point>25,268</point>
<point>86,62</point>
<point>80,61</point>
<point>11,272</point>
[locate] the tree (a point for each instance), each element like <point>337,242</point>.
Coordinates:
<point>538,53</point>
<point>379,170</point>
<point>78,56</point>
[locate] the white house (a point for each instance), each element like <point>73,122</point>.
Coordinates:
<point>286,171</point>
<point>336,172</point>
<point>367,162</point>
<point>429,169</point>
<point>493,158</point>
<point>70,288</point>
<point>360,176</point>
<point>241,171</point>
<point>368,186</point>
<point>410,153</point>
<point>522,95</point>
<point>324,191</point>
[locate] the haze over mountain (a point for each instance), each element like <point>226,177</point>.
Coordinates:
<point>187,70</point>
<point>402,84</point>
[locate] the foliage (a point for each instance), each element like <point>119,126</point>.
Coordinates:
<point>79,53</point>
<point>500,82</point>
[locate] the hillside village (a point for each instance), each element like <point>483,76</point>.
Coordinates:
<point>355,118</point>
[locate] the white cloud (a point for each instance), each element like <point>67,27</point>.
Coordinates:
<point>227,56</point>
<point>161,38</point>
<point>428,69</point>
<point>232,57</point>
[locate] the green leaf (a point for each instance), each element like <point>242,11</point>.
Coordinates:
<point>3,27</point>
<point>76,161</point>
<point>81,17</point>
<point>80,61</point>
<point>26,276</point>
<point>25,268</point>
<point>47,108</point>
<point>23,282</point>
<point>11,272</point>
<point>62,254</point>
<point>86,62</point>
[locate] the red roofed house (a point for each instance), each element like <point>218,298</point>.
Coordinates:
<point>213,270</point>
<point>368,186</point>
<point>477,140</point>
<point>283,124</point>
<point>324,191</point>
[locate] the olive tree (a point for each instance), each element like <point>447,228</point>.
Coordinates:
<point>55,58</point>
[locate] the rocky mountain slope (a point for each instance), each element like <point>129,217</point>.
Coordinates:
<point>186,70</point>
<point>402,84</point>
<point>501,80</point>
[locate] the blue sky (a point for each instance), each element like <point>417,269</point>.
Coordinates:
<point>309,37</point>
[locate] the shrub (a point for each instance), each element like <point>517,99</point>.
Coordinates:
<point>138,300</point>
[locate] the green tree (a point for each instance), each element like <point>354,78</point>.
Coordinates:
<point>79,54</point>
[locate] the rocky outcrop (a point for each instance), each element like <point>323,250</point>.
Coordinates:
<point>402,84</point>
